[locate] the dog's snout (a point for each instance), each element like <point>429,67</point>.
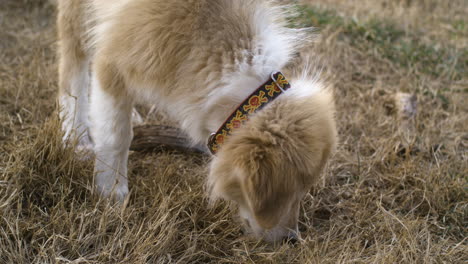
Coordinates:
<point>292,238</point>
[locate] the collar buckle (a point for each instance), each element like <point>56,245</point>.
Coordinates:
<point>275,80</point>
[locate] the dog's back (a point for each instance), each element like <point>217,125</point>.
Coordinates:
<point>165,50</point>
<point>169,40</point>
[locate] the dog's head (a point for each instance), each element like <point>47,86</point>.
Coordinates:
<point>269,164</point>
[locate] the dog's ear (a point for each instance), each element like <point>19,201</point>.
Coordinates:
<point>223,181</point>
<point>267,189</point>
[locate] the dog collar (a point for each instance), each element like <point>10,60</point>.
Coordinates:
<point>267,92</point>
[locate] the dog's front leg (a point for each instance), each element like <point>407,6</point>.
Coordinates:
<point>73,76</point>
<point>111,129</point>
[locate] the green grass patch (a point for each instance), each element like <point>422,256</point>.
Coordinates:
<point>460,27</point>
<point>389,42</point>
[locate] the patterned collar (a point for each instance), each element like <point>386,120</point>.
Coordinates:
<point>267,92</point>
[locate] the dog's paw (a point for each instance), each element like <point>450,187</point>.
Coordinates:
<point>116,192</point>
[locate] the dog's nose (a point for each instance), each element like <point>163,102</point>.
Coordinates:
<point>292,238</point>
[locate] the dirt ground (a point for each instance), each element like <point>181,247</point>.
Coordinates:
<point>395,191</point>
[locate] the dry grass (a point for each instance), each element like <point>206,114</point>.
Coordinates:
<point>395,192</point>
<point>435,20</point>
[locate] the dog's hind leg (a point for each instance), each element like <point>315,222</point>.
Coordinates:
<point>73,74</point>
<point>111,130</point>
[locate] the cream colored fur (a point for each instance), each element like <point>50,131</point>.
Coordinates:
<point>197,60</point>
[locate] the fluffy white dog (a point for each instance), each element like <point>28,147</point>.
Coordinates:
<point>213,66</point>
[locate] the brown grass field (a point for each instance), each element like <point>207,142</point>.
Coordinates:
<point>395,192</point>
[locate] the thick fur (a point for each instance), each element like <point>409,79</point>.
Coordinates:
<point>197,60</point>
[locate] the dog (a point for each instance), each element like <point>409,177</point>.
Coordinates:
<point>212,66</point>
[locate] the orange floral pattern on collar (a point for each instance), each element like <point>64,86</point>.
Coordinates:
<point>266,93</point>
